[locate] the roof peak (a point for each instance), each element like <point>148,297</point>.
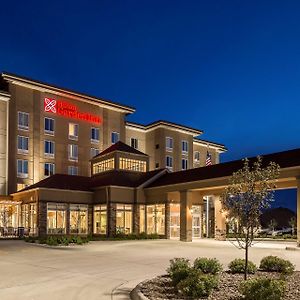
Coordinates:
<point>122,147</point>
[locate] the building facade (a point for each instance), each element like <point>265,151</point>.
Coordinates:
<point>71,163</point>
<point>46,130</point>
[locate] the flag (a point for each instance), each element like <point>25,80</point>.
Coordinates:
<point>208,159</point>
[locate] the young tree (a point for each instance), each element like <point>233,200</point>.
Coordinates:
<point>250,191</point>
<point>293,224</point>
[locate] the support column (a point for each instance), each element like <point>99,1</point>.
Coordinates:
<point>220,220</point>
<point>185,216</point>
<point>298,212</point>
<point>167,220</point>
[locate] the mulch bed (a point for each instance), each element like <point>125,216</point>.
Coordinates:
<point>161,287</point>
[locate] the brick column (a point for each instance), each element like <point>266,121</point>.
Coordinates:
<point>298,212</point>
<point>167,220</point>
<point>185,216</point>
<point>90,219</point>
<point>42,218</point>
<point>136,218</point>
<point>220,221</point>
<point>111,219</point>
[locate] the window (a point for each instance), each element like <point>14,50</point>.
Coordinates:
<point>156,165</point>
<point>197,156</point>
<point>73,152</point>
<point>56,218</point>
<point>169,143</point>
<point>23,120</point>
<point>184,146</point>
<point>94,152</point>
<point>22,168</point>
<point>78,219</point>
<point>49,149</point>
<point>156,219</point>
<point>169,162</point>
<point>73,131</point>
<point>49,169</point>
<point>105,165</point>
<point>115,137</point>
<point>95,135</point>
<point>124,219</point>
<point>23,144</point>
<point>49,126</point>
<point>134,143</point>
<point>184,164</point>
<point>132,164</point>
<point>72,170</point>
<point>100,219</point>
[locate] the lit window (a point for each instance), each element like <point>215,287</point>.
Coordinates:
<point>23,120</point>
<point>115,136</point>
<point>169,143</point>
<point>184,164</point>
<point>73,131</point>
<point>156,219</point>
<point>132,164</point>
<point>94,152</point>
<point>22,168</point>
<point>73,152</point>
<point>184,146</point>
<point>49,126</point>
<point>124,219</point>
<point>49,148</point>
<point>197,156</point>
<point>105,165</point>
<point>169,162</point>
<point>100,219</point>
<point>72,170</point>
<point>78,219</point>
<point>56,218</point>
<point>134,143</point>
<point>95,135</point>
<point>23,144</point>
<point>49,169</point>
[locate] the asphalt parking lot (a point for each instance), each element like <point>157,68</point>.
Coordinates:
<point>106,269</point>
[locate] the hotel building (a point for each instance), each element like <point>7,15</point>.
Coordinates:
<point>67,158</point>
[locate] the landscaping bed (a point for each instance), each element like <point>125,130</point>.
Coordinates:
<point>161,287</point>
<point>205,278</point>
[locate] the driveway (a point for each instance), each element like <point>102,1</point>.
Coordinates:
<point>106,269</point>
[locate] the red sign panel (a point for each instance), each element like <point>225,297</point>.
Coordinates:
<point>69,110</point>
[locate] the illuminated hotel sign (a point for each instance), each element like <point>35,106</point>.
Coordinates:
<point>69,110</point>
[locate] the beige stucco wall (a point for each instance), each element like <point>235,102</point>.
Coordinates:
<point>137,134</point>
<point>32,101</point>
<point>203,152</point>
<point>3,145</point>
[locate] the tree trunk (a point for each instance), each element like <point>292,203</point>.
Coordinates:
<point>246,258</point>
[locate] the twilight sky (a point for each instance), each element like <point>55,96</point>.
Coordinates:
<point>230,68</point>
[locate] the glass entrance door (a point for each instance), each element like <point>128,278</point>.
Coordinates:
<point>175,221</point>
<point>196,215</point>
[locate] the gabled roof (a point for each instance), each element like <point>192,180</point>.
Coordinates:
<point>168,124</point>
<point>120,146</point>
<point>84,183</point>
<point>39,84</point>
<point>284,159</point>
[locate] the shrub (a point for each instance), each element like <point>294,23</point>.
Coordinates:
<point>179,269</point>
<point>238,266</point>
<point>63,240</point>
<point>276,264</point>
<point>52,241</point>
<point>197,284</point>
<point>207,265</point>
<point>262,289</point>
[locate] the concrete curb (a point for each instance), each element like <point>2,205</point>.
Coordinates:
<point>292,248</point>
<point>136,294</point>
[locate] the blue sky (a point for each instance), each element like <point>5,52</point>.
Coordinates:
<point>230,68</point>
